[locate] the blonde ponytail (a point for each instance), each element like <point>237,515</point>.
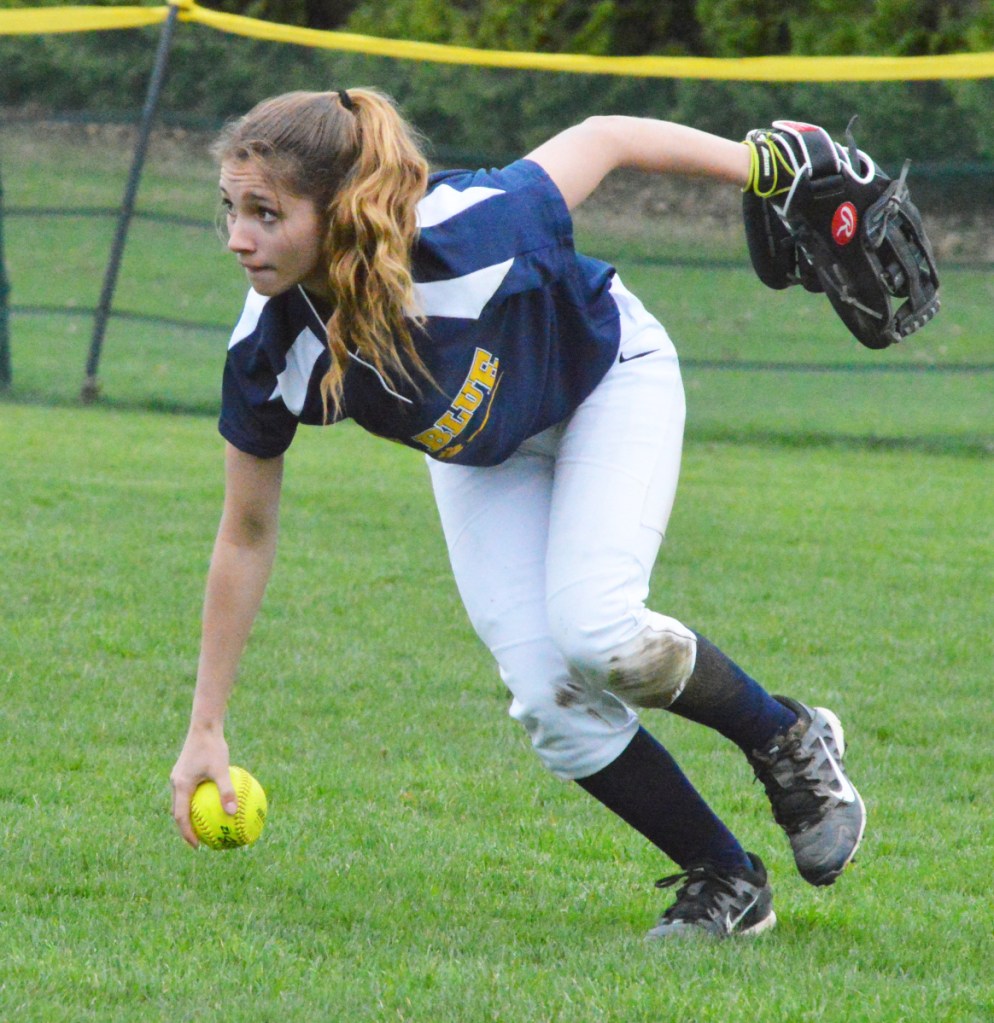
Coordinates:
<point>372,225</point>
<point>361,164</point>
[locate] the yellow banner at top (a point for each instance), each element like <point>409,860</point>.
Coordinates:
<point>756,69</point>
<point>42,20</point>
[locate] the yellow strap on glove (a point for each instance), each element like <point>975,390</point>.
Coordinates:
<point>771,165</point>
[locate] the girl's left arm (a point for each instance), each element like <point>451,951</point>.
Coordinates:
<point>579,158</point>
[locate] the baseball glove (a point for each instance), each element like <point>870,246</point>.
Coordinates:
<point>826,217</point>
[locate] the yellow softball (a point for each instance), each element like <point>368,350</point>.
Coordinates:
<point>220,830</point>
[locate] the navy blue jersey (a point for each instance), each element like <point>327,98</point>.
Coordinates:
<point>519,329</point>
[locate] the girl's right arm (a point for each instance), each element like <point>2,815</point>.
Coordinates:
<point>579,158</point>
<point>239,570</point>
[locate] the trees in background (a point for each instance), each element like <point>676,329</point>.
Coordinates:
<point>494,113</point>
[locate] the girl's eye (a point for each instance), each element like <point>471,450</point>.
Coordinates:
<point>268,216</point>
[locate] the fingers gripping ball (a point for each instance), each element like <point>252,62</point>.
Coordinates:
<point>220,830</point>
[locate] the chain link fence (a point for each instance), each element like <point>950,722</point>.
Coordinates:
<point>84,171</point>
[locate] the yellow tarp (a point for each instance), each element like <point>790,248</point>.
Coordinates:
<point>757,69</point>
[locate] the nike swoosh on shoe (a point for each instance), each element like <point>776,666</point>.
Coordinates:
<point>845,792</point>
<point>732,922</point>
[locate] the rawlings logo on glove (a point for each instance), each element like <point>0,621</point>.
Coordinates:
<point>844,224</point>
<point>826,217</point>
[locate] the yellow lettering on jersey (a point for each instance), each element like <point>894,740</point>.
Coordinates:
<point>484,371</point>
<point>454,421</point>
<point>434,439</point>
<point>477,388</point>
<point>468,400</point>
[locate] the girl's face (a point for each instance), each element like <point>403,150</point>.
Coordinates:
<point>275,235</point>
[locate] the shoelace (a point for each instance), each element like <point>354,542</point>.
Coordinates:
<point>705,904</point>
<point>793,806</point>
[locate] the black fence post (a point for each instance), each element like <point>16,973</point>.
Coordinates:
<point>91,385</point>
<point>5,371</point>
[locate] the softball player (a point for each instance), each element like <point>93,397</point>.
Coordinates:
<point>450,312</point>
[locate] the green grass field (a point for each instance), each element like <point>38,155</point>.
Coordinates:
<point>833,532</point>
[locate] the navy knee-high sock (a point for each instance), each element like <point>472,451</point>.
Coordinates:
<point>646,788</point>
<point>722,696</point>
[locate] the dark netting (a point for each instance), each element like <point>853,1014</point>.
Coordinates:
<point>766,364</point>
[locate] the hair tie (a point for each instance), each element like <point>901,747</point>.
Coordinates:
<point>346,101</point>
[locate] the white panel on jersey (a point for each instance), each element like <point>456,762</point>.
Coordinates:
<point>445,201</point>
<point>254,304</point>
<point>463,297</point>
<point>291,384</point>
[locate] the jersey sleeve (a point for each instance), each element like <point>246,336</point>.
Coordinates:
<point>251,423</point>
<point>254,416</point>
<point>493,233</point>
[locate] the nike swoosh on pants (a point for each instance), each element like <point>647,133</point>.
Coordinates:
<point>628,358</point>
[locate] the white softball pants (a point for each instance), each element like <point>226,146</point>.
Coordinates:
<point>552,552</point>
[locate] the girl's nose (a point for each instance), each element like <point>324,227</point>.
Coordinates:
<point>239,239</point>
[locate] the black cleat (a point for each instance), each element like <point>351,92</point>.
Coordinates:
<point>812,797</point>
<point>717,903</point>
